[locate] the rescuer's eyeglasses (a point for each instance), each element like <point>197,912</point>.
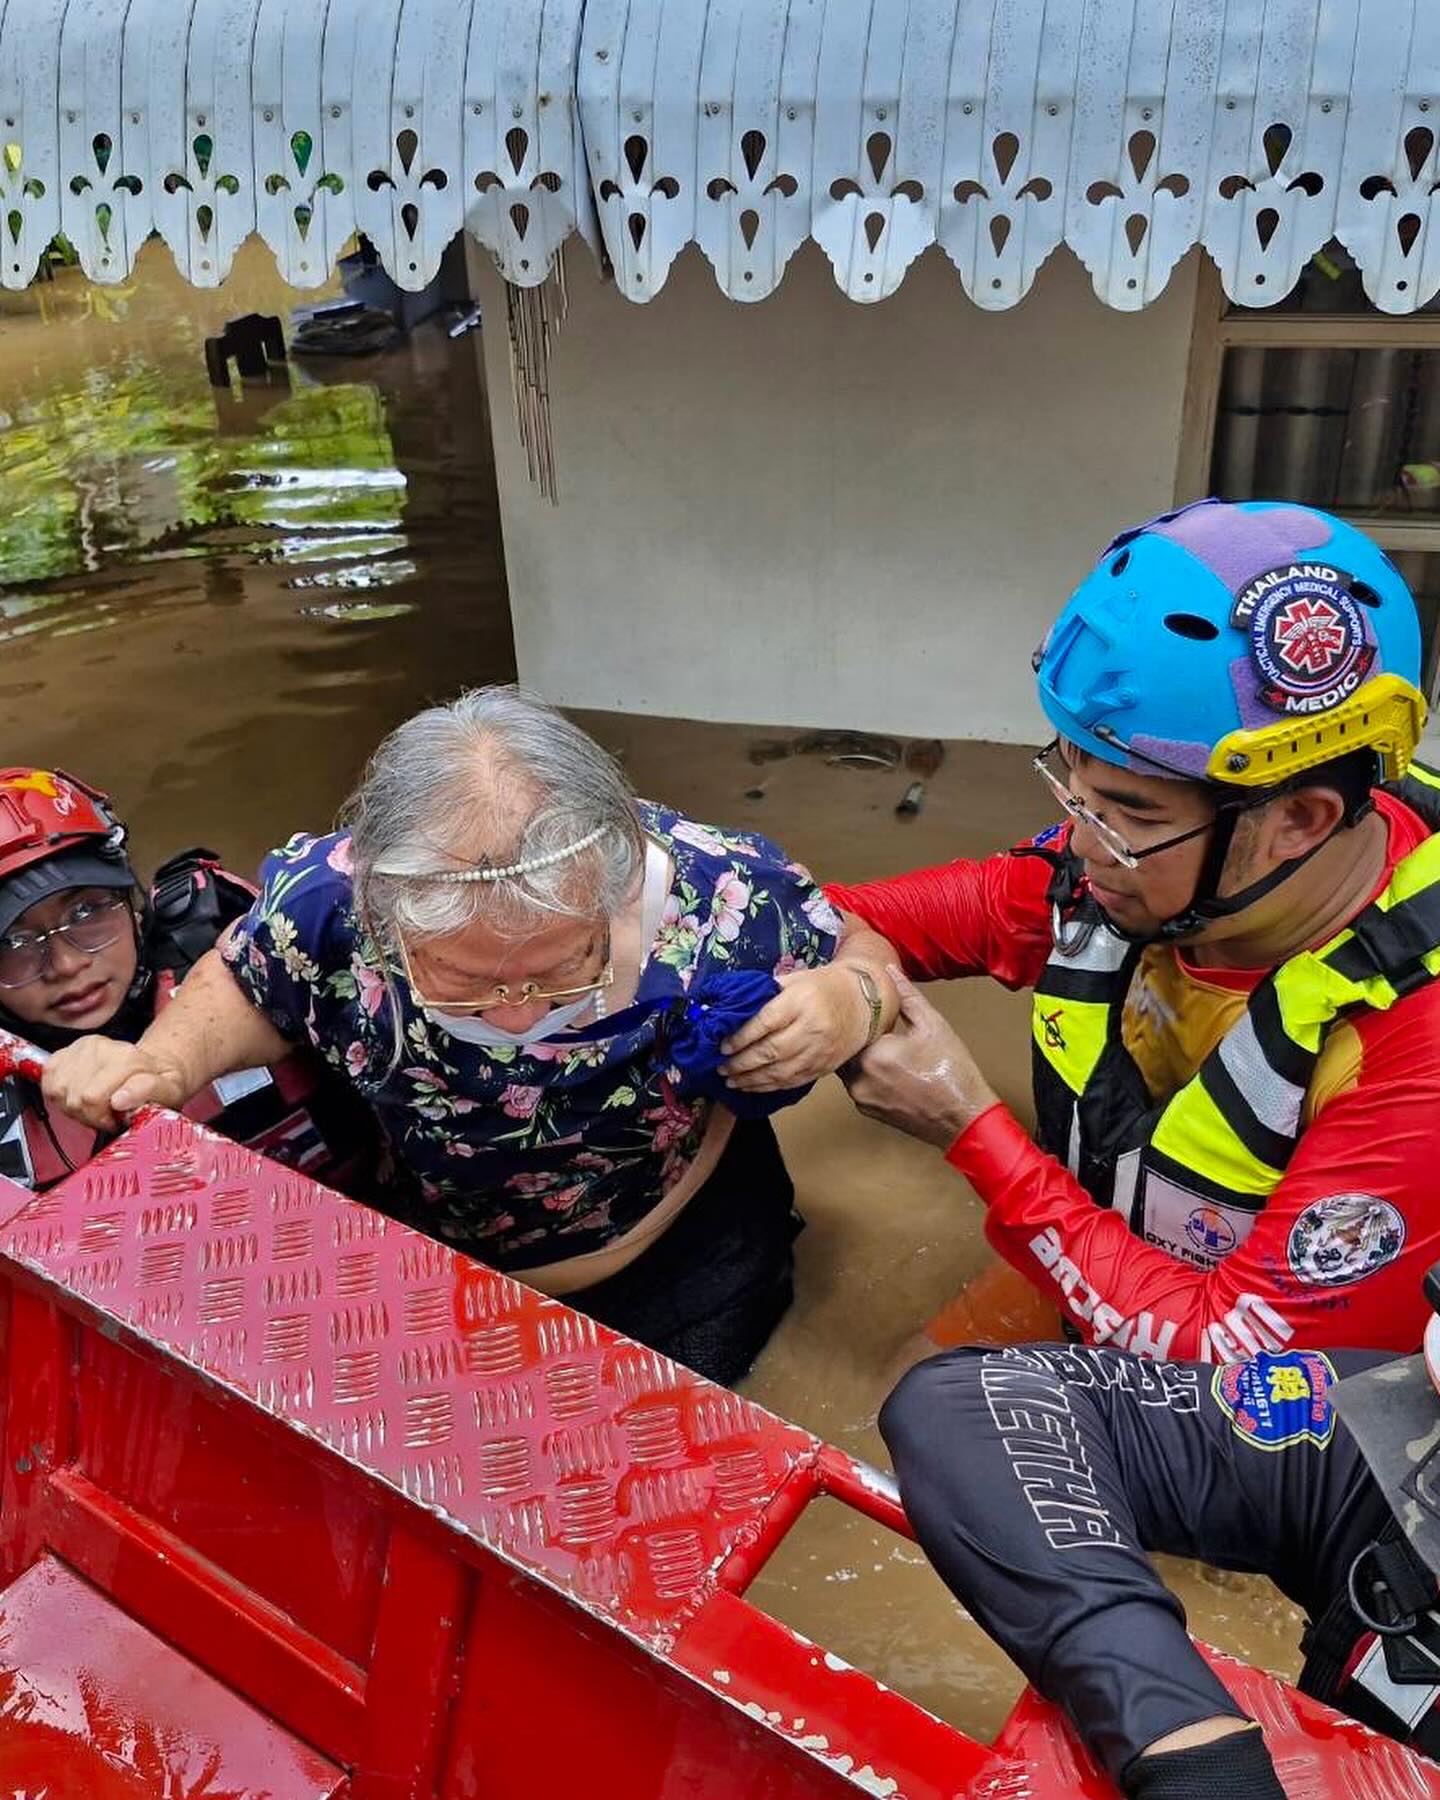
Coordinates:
<point>89,926</point>
<point>1111,839</point>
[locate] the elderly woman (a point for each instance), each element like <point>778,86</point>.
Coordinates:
<point>510,956</point>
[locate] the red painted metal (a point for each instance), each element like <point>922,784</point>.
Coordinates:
<point>93,1705</point>
<point>1319,1755</point>
<point>455,1537</point>
<point>17,1057</point>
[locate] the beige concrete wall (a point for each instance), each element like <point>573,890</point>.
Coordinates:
<point>808,511</point>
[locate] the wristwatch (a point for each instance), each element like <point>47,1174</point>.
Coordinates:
<point>870,990</point>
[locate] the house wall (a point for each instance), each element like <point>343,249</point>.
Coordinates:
<point>809,511</point>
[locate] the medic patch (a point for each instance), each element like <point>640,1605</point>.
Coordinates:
<point>1308,640</point>
<point>1275,1401</point>
<point>1344,1238</point>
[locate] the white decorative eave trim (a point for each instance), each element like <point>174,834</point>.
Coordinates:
<point>995,128</point>
<point>304,120</point>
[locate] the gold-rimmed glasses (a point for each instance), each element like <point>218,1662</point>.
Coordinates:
<point>88,926</point>
<point>502,994</point>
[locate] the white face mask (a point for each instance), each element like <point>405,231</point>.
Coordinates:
<point>474,1028</point>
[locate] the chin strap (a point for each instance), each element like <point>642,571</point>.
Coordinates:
<point>1207,904</point>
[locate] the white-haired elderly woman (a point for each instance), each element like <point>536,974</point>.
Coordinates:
<point>499,949</point>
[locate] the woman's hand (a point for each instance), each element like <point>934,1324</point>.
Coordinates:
<point>208,1029</point>
<point>818,1020</point>
<point>920,1077</point>
<point>98,1080</point>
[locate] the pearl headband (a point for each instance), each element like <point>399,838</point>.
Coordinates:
<point>489,873</point>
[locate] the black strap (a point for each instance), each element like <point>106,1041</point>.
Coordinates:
<point>1389,1591</point>
<point>1392,943</point>
<point>1420,795</point>
<point>1274,1148</point>
<point>1389,1587</point>
<point>192,900</point>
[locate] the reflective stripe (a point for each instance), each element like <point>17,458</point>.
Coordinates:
<point>1286,1051</point>
<point>1194,1132</point>
<point>1127,1173</point>
<point>1102,953</point>
<point>1272,1148</point>
<point>1275,1101</point>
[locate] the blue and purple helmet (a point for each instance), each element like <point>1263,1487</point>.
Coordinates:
<point>1240,644</point>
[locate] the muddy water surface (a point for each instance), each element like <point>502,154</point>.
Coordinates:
<point>214,603</point>
<point>214,606</point>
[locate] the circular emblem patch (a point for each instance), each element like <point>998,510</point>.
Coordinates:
<point>1344,1238</point>
<point>1209,1230</point>
<point>1307,637</point>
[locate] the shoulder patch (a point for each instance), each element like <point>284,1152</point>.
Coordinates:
<point>1343,1238</point>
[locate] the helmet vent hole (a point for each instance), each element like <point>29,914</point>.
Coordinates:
<point>1364,593</point>
<point>1121,563</point>
<point>1191,625</point>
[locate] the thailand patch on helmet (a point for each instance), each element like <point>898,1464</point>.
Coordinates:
<point>1273,1401</point>
<point>1308,639</point>
<point>1344,1237</point>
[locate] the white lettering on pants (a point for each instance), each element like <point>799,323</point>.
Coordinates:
<point>1030,1409</point>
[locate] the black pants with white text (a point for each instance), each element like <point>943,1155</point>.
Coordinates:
<point>1037,1477</point>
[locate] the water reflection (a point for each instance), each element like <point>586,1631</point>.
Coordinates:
<point>214,602</point>
<point>148,460</point>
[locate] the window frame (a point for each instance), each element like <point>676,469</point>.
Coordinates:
<point>1220,326</point>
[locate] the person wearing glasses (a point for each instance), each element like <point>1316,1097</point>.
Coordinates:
<point>83,948</point>
<point>1232,941</point>
<point>523,969</point>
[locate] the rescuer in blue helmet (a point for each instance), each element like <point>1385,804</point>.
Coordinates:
<point>1231,934</point>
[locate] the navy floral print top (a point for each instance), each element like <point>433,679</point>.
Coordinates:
<point>525,1156</point>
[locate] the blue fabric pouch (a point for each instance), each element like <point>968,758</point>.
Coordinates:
<point>719,1003</point>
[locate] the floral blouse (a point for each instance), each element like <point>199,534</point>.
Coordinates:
<point>529,1155</point>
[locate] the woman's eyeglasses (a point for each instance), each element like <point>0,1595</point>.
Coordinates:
<point>89,926</point>
<point>504,995</point>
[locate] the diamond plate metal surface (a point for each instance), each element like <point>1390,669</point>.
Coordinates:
<point>611,1472</point>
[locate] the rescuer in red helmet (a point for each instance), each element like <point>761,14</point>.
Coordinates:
<point>84,948</point>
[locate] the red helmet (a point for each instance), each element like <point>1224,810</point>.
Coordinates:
<point>55,833</point>
<point>44,811</point>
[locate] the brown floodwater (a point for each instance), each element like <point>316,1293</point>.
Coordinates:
<point>213,605</point>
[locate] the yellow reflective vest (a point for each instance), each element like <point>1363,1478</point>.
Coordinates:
<point>1192,1172</point>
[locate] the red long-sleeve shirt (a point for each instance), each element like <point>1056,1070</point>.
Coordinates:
<point>1338,1254</point>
